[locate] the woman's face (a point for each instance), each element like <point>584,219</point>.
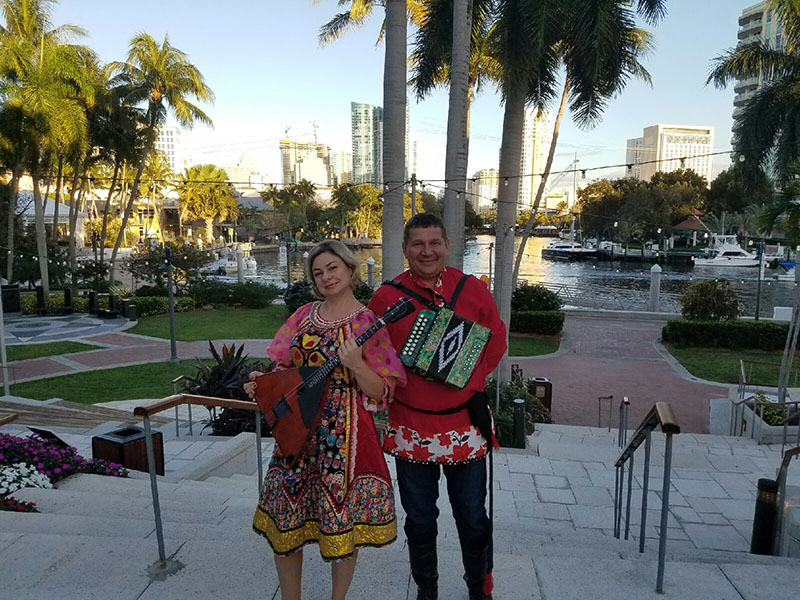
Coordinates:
<point>331,275</point>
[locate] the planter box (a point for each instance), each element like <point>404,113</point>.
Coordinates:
<point>768,434</point>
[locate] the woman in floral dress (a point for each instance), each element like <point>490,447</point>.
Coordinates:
<point>339,494</point>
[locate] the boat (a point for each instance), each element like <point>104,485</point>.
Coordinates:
<point>726,252</point>
<point>784,272</point>
<point>564,250</point>
<point>545,231</point>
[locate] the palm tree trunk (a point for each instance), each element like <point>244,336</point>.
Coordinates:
<point>127,214</point>
<point>510,153</point>
<point>73,226</point>
<point>394,136</point>
<point>543,182</point>
<point>457,154</point>
<point>12,214</point>
<point>47,194</point>
<point>41,240</point>
<point>59,184</point>
<point>107,209</point>
<point>209,230</point>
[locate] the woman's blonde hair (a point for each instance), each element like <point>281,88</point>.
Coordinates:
<point>343,252</point>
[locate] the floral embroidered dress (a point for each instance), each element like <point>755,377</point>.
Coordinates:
<point>339,494</point>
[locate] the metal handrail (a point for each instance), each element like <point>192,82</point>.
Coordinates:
<point>8,418</point>
<point>599,410</point>
<point>660,415</point>
<point>175,383</point>
<point>174,401</point>
<point>780,542</point>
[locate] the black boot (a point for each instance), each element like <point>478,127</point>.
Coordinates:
<point>424,570</point>
<point>475,571</point>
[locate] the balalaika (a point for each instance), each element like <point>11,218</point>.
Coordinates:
<point>443,345</point>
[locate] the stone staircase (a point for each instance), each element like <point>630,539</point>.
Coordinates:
<point>95,536</point>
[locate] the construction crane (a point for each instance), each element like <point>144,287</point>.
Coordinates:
<point>316,127</point>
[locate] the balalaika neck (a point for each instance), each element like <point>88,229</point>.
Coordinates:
<point>333,362</point>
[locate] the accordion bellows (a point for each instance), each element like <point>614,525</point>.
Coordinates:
<point>444,346</point>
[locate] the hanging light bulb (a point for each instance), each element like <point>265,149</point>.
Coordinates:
<point>583,173</point>
<point>505,181</point>
<point>683,162</point>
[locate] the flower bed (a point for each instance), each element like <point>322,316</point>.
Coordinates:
<point>36,462</point>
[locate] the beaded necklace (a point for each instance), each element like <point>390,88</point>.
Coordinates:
<point>323,322</point>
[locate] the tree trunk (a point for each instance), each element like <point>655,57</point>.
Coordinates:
<point>209,230</point>
<point>128,209</point>
<point>41,240</point>
<point>508,178</point>
<point>106,211</point>
<point>457,154</point>
<point>394,137</point>
<point>73,226</point>
<point>47,194</point>
<point>59,184</point>
<point>12,213</point>
<point>543,182</point>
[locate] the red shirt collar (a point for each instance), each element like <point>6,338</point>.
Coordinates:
<point>437,289</point>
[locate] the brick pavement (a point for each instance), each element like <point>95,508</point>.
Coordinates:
<point>617,357</point>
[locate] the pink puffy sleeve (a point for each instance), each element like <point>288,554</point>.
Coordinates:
<point>279,349</point>
<point>381,357</point>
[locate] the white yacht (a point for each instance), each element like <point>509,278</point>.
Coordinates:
<point>565,250</point>
<point>726,252</point>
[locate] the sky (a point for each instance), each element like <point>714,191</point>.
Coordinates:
<point>269,74</point>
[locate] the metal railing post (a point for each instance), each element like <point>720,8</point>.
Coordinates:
<point>189,406</point>
<point>625,422</point>
<point>616,501</point>
<point>662,540</point>
<point>258,449</point>
<point>760,425</point>
<point>151,463</point>
<point>645,487</point>
<point>628,505</point>
<point>621,489</point>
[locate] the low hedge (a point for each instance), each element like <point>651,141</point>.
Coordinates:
<point>249,294</point>
<point>156,305</point>
<point>758,335</point>
<point>542,322</point>
<point>55,303</point>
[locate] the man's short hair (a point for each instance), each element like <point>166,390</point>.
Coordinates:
<point>423,220</point>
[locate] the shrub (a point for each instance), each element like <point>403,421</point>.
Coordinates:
<point>54,303</point>
<point>760,335</point>
<point>542,322</point>
<point>155,305</point>
<point>363,293</point>
<point>713,300</point>
<point>504,418</point>
<point>146,291</point>
<point>253,295</point>
<point>534,298</point>
<point>773,415</point>
<point>209,291</point>
<point>297,294</point>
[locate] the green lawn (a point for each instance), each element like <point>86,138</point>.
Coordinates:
<point>26,351</point>
<point>256,323</point>
<point>152,380</point>
<point>531,346</point>
<point>716,364</point>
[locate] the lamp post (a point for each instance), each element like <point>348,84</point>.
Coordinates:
<point>173,346</point>
<point>758,285</point>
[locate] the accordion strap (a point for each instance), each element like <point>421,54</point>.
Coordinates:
<point>451,304</point>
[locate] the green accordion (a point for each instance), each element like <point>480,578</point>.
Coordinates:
<point>444,346</point>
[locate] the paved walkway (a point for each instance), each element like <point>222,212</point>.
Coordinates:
<point>598,357</point>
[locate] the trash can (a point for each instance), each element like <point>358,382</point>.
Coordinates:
<point>11,301</point>
<point>127,447</point>
<point>541,388</point>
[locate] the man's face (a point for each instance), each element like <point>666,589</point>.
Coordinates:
<point>426,250</point>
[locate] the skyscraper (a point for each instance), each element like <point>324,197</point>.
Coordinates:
<point>536,136</point>
<point>342,165</point>
<point>366,126</point>
<point>669,148</point>
<point>306,160</point>
<point>482,190</point>
<point>168,142</point>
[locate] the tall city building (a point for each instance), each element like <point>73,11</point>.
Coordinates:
<point>482,190</point>
<point>245,172</point>
<point>306,160</point>
<point>536,137</point>
<point>168,141</point>
<point>756,24</point>
<point>342,166</point>
<point>669,148</point>
<point>366,126</point>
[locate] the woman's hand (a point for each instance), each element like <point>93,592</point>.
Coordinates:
<point>350,355</point>
<point>250,386</point>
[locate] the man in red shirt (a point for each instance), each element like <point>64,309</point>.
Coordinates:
<point>429,427</point>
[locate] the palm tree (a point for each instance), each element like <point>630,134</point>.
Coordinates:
<point>206,194</point>
<point>161,77</point>
<point>13,145</point>
<point>43,77</point>
<point>597,46</point>
<point>158,176</point>
<point>768,127</point>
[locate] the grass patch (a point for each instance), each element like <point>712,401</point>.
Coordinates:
<point>242,324</point>
<point>721,365</point>
<point>151,380</point>
<point>26,351</point>
<point>531,346</point>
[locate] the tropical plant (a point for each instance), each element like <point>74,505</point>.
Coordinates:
<point>162,78</point>
<point>297,294</point>
<point>712,300</point>
<point>206,194</point>
<point>295,202</point>
<point>504,417</point>
<point>534,297</point>
<point>147,263</point>
<point>157,178</point>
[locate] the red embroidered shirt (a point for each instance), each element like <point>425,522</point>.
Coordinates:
<point>419,437</point>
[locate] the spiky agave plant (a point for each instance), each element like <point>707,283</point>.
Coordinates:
<point>225,379</point>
